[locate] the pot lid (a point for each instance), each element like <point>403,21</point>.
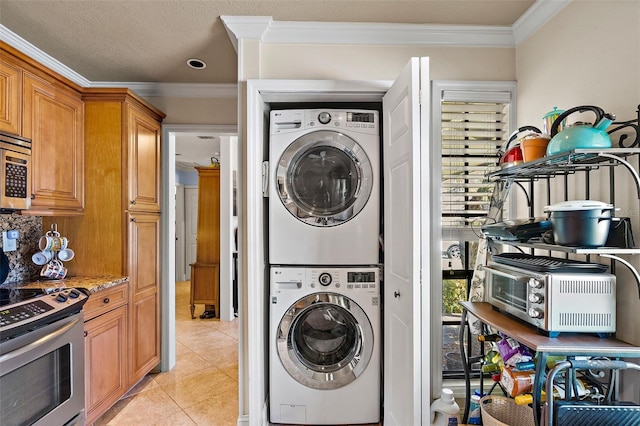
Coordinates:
<point>556,112</point>
<point>578,205</point>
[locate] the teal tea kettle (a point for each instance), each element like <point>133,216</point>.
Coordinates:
<point>581,135</point>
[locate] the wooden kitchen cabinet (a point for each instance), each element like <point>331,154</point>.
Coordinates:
<point>115,236</point>
<point>38,104</point>
<point>205,272</point>
<point>144,276</point>
<point>10,97</point>
<point>53,120</point>
<point>105,350</point>
<point>144,161</point>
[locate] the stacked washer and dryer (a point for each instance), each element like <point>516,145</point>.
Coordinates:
<point>324,223</point>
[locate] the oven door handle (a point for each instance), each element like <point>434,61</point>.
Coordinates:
<point>44,340</point>
<point>518,278</point>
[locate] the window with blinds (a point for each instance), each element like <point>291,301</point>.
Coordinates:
<point>474,125</point>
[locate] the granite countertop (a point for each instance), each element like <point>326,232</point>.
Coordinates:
<point>93,284</point>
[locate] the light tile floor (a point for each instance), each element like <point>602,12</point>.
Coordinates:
<point>201,390</point>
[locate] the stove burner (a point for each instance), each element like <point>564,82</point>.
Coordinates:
<point>9,296</point>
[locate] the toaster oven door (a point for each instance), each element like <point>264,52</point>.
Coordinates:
<point>507,291</point>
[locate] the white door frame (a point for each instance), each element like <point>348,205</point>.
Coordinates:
<point>168,231</point>
<point>188,214</point>
<point>180,233</point>
<point>254,269</point>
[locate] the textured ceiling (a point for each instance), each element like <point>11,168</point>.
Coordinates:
<point>150,40</point>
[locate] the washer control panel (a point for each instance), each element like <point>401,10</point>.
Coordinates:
<point>345,278</point>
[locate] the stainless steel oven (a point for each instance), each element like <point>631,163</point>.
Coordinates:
<point>553,294</point>
<point>42,359</point>
<point>15,172</point>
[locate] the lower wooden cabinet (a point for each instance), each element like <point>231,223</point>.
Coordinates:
<point>205,286</point>
<point>105,330</point>
<point>144,296</point>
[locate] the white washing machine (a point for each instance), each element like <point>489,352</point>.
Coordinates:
<point>324,345</point>
<point>324,189</point>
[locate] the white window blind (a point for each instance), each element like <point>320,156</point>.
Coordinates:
<point>474,125</point>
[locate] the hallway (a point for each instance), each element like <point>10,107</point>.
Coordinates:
<point>201,390</point>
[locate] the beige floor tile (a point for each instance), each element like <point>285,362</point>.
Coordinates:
<point>152,406</point>
<point>199,387</point>
<point>146,383</point>
<point>196,340</point>
<point>178,419</point>
<point>187,364</point>
<point>221,410</point>
<point>201,390</point>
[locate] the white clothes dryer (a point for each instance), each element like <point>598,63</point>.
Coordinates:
<point>324,189</point>
<point>324,345</point>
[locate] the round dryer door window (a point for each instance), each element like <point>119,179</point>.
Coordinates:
<point>324,178</point>
<point>325,341</point>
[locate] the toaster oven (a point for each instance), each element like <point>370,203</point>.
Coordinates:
<point>15,173</point>
<point>580,301</point>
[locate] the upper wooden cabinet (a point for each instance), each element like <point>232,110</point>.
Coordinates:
<point>10,97</point>
<point>41,105</point>
<point>53,120</point>
<point>143,161</point>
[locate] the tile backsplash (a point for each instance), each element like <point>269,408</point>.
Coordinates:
<point>21,267</point>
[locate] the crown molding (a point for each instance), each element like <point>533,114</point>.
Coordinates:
<point>14,40</point>
<point>535,17</point>
<point>245,27</point>
<point>388,34</point>
<point>268,31</point>
<point>175,90</point>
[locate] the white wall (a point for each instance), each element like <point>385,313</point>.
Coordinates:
<point>589,54</point>
<point>345,62</point>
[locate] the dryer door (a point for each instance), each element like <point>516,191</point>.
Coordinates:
<point>325,341</point>
<point>324,178</point>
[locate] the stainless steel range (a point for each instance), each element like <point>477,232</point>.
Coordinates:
<point>41,357</point>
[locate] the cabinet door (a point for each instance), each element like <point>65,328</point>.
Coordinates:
<point>10,98</point>
<point>105,361</point>
<point>143,161</point>
<point>144,297</point>
<point>53,120</point>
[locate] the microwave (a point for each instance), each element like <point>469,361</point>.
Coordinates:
<point>15,173</point>
<point>554,302</point>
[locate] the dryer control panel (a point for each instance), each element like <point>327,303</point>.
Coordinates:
<point>361,121</point>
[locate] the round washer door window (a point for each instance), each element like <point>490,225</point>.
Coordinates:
<point>324,178</point>
<point>325,341</point>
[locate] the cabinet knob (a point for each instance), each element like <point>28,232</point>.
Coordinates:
<point>85,334</point>
<point>133,202</point>
<point>106,300</point>
<point>396,294</point>
<point>133,219</point>
<point>33,196</point>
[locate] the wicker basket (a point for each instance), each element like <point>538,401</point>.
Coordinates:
<point>501,411</point>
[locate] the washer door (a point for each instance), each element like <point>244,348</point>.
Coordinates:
<point>324,178</point>
<point>325,341</point>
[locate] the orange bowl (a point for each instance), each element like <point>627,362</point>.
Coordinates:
<point>534,149</point>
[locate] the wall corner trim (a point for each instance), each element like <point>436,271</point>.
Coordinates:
<point>535,17</point>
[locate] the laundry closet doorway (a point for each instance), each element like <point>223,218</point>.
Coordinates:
<point>406,398</point>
